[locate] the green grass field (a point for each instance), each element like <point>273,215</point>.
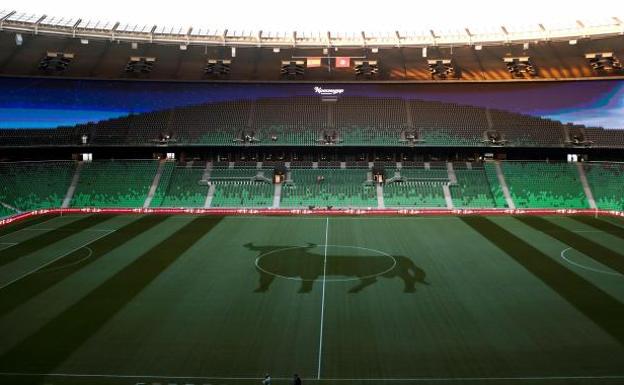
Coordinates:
<point>106,299</point>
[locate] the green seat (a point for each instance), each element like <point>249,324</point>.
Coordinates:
<point>328,187</point>
<point>35,185</point>
<point>544,185</point>
<point>181,189</point>
<point>606,181</point>
<point>116,183</point>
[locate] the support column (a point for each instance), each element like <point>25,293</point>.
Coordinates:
<point>154,186</point>
<point>277,195</point>
<point>588,192</point>
<point>72,187</point>
<point>447,196</point>
<point>380,197</point>
<point>451,173</point>
<point>211,191</point>
<point>503,184</point>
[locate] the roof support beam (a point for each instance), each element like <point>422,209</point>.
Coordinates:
<point>6,17</point>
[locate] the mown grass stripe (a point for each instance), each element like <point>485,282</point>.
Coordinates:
<point>601,225</point>
<point>597,305</point>
<point>586,246</point>
<point>39,242</point>
<point>20,225</point>
<point>60,337</point>
<point>23,290</point>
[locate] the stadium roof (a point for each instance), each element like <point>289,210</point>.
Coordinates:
<point>318,23</point>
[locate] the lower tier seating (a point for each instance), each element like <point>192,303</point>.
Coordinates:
<point>4,212</point>
<point>329,187</point>
<point>243,194</point>
<point>414,194</point>
<point>541,184</point>
<point>473,189</point>
<point>495,187</point>
<point>35,185</point>
<point>126,183</point>
<point>606,181</point>
<point>117,183</point>
<point>182,189</point>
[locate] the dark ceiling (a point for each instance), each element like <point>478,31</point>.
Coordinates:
<point>107,59</point>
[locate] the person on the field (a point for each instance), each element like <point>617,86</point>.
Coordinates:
<point>267,379</point>
<point>296,380</point>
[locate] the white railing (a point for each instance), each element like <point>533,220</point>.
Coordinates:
<point>92,29</point>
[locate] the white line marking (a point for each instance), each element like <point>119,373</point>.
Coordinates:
<point>6,245</point>
<point>53,260</point>
<point>69,264</point>
<point>17,231</point>
<point>563,256</point>
<point>56,229</point>
<point>320,353</point>
<point>394,263</point>
<point>396,379</point>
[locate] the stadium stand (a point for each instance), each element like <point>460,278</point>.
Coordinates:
<point>182,188</point>
<point>445,124</point>
<point>126,183</point>
<point>242,187</point>
<point>544,184</point>
<point>163,183</point>
<point>307,121</point>
<point>495,187</point>
<point>117,183</point>
<point>5,212</point>
<point>414,194</point>
<point>415,185</point>
<point>528,131</point>
<point>35,185</point>
<point>473,189</point>
<point>329,187</point>
<point>606,181</point>
<point>243,194</point>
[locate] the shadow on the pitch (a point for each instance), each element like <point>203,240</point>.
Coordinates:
<point>307,265</point>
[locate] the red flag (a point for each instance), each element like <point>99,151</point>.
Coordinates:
<point>343,62</point>
<point>313,62</point>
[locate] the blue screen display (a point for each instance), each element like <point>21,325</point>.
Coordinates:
<point>50,103</point>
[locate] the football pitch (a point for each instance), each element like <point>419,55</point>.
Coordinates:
<point>140,299</point>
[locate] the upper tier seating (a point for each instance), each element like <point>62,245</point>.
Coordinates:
<point>35,185</point>
<point>445,124</point>
<point>117,183</point>
<point>524,130</point>
<point>308,121</point>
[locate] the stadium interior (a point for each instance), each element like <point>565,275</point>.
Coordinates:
<point>457,201</point>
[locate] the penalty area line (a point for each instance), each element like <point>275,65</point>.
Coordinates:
<point>54,260</point>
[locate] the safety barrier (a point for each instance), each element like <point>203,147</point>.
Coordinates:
<point>317,212</point>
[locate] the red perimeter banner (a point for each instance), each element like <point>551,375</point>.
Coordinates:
<point>317,212</point>
<point>343,62</point>
<point>312,62</point>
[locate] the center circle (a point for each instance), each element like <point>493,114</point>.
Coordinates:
<point>337,263</point>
